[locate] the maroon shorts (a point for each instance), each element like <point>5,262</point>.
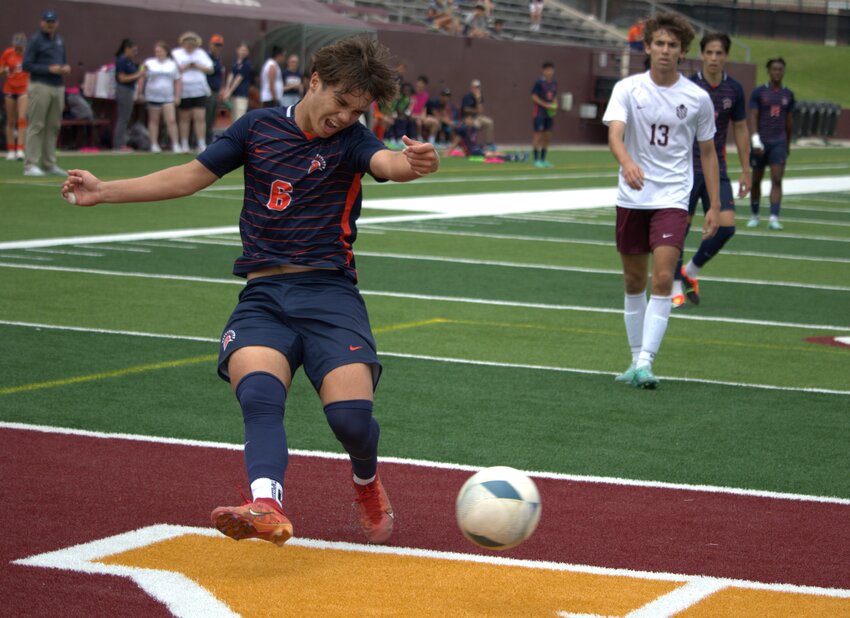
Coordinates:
<point>641,231</point>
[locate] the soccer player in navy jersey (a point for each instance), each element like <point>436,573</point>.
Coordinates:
<point>727,96</point>
<point>300,306</point>
<point>771,123</point>
<point>543,96</point>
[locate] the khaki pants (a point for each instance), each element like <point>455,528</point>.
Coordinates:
<point>485,125</point>
<point>44,118</point>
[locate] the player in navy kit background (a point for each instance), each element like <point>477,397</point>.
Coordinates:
<point>771,124</point>
<point>727,96</point>
<point>543,96</point>
<point>300,306</point>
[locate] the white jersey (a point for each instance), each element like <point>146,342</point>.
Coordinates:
<point>160,79</point>
<point>194,80</point>
<point>268,91</point>
<point>661,125</point>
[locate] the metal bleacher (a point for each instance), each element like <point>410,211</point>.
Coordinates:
<point>561,24</point>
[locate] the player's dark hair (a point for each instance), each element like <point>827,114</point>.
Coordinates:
<point>548,65</point>
<point>673,23</point>
<point>164,46</point>
<point>125,45</point>
<point>722,37</point>
<point>423,79</point>
<point>276,51</point>
<point>780,60</point>
<point>357,65</point>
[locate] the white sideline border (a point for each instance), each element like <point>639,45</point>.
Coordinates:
<point>578,478</point>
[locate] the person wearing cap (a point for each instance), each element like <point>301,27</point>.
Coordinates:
<point>47,64</point>
<point>473,101</point>
<point>215,80</point>
<point>444,112</point>
<point>194,64</point>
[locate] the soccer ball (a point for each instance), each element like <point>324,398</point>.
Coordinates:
<point>498,507</point>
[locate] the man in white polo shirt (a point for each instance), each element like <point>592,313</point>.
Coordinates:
<point>653,119</point>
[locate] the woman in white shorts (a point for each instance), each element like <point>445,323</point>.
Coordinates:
<point>162,93</point>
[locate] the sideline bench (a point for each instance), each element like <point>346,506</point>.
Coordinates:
<point>77,129</point>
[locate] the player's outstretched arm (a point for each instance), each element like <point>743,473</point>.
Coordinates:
<point>417,159</point>
<point>170,183</point>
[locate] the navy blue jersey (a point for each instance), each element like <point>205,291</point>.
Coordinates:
<point>215,80</point>
<point>774,107</point>
<point>728,100</point>
<point>545,90</point>
<point>125,66</point>
<point>302,193</point>
<point>244,69</point>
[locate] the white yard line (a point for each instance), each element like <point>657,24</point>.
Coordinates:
<point>429,297</point>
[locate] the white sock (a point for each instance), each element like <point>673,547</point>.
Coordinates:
<point>184,144</point>
<point>774,218</point>
<point>635,310</point>
<point>202,144</point>
<point>360,481</point>
<point>267,488</point>
<point>692,270</point>
<point>655,325</point>
<point>677,287</point>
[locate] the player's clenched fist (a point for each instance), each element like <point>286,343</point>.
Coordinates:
<point>421,156</point>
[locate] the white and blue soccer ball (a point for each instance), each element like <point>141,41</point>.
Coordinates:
<point>498,507</point>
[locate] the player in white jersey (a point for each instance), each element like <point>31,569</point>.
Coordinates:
<point>653,119</point>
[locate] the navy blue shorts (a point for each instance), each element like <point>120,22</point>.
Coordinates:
<point>316,319</point>
<point>775,153</point>
<point>700,192</point>
<point>542,123</point>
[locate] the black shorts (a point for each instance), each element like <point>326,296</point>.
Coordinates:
<point>700,192</point>
<point>317,319</point>
<point>193,103</point>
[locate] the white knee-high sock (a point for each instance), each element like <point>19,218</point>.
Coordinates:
<point>654,327</point>
<point>635,310</point>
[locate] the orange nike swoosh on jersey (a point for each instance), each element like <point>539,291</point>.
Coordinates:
<point>354,348</point>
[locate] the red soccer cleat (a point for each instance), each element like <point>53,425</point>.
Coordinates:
<point>691,287</point>
<point>261,519</point>
<point>375,511</point>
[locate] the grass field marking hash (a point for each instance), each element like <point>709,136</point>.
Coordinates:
<point>422,463</point>
<point>431,297</point>
<point>104,375</point>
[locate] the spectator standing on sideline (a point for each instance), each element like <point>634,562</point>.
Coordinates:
<point>127,74</point>
<point>727,97</point>
<point>162,91</point>
<point>543,95</point>
<point>653,121</point>
<point>46,61</point>
<point>194,64</point>
<point>293,81</point>
<point>473,101</point>
<point>239,81</point>
<point>271,79</point>
<point>215,81</point>
<point>535,14</point>
<point>300,305</point>
<point>15,95</point>
<point>771,124</point>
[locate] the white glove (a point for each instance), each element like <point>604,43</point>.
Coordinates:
<point>756,142</point>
